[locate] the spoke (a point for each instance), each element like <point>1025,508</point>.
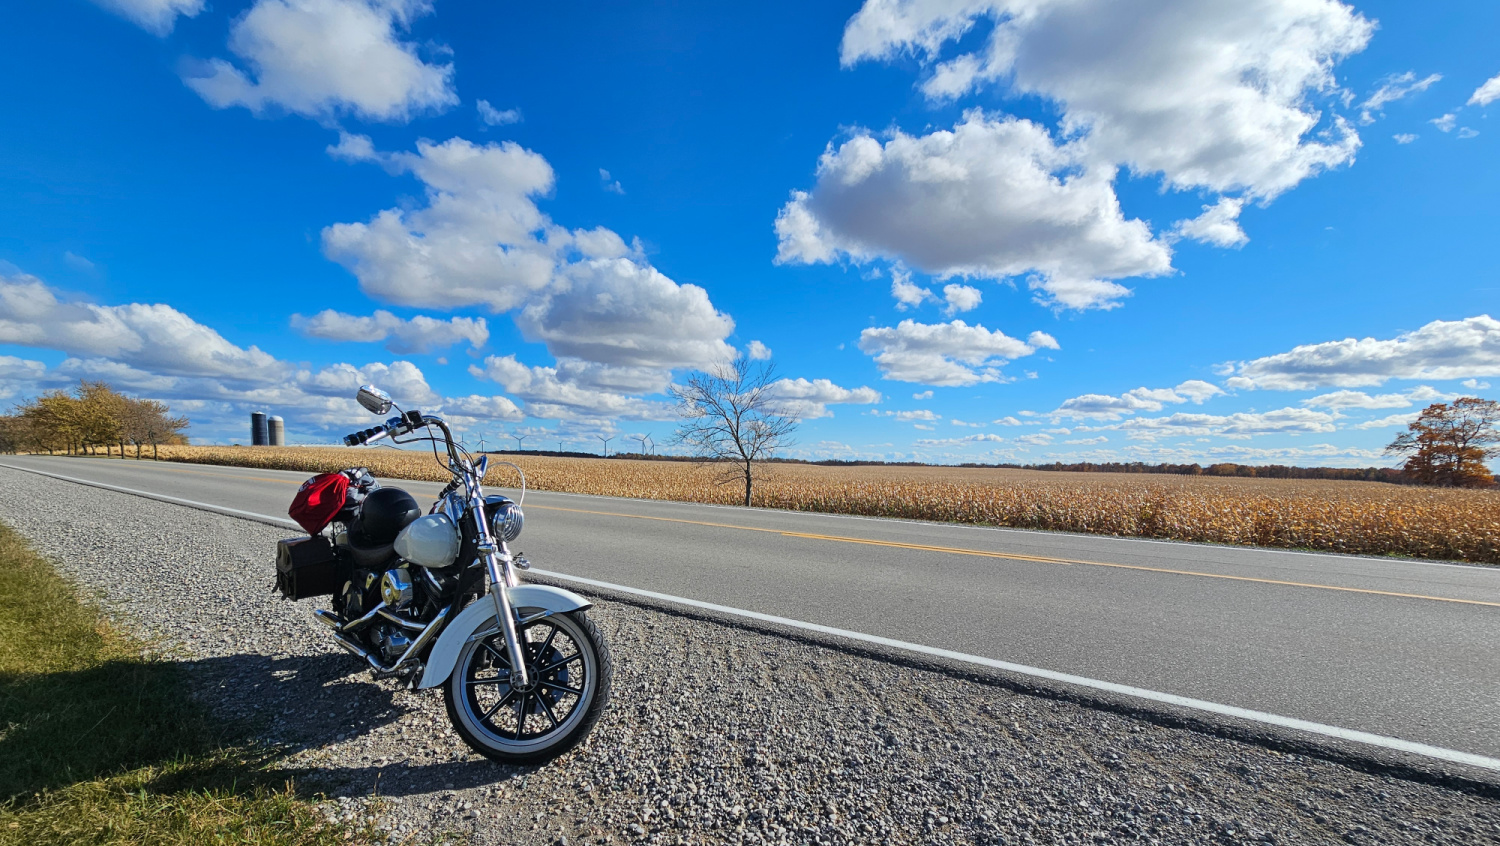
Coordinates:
<point>498,656</point>
<point>546,643</point>
<point>547,708</point>
<point>521,716</point>
<point>498,705</point>
<point>554,665</point>
<point>563,688</point>
<point>491,680</point>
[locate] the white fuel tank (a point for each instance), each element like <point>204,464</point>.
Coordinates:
<point>430,541</point>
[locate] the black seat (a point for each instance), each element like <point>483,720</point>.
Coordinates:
<point>382,516</point>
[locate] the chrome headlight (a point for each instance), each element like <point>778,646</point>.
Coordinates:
<point>506,520</point>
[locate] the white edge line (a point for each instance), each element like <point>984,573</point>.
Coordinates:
<point>1392,743</point>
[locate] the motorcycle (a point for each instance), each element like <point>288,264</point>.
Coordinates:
<point>437,600</point>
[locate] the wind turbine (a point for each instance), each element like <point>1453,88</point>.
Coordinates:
<point>519,440</point>
<point>643,439</point>
<point>653,443</point>
<point>481,443</point>
<point>606,443</point>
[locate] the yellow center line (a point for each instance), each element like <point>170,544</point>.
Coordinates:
<point>1033,558</point>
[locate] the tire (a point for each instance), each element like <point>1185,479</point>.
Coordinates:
<point>570,670</point>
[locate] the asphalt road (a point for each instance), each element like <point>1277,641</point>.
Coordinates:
<point>1399,648</point>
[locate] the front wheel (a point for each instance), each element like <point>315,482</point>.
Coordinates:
<point>569,668</point>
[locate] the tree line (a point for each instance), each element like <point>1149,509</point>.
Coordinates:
<point>89,418</point>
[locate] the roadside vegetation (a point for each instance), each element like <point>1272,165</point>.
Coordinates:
<point>88,419</point>
<point>99,744</point>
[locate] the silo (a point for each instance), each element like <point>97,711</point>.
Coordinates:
<point>277,431</point>
<point>258,434</point>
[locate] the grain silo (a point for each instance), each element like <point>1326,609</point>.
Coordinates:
<point>258,434</point>
<point>277,431</point>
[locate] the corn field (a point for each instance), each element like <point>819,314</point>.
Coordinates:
<point>1369,518</point>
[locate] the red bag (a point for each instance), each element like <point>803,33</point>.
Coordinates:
<point>318,500</point>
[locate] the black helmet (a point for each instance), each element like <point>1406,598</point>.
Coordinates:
<point>382,516</point>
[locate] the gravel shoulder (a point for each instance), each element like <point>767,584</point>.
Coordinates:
<point>715,734</point>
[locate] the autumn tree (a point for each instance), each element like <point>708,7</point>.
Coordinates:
<point>1449,445</point>
<point>92,415</point>
<point>732,418</point>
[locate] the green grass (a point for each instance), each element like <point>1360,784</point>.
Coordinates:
<point>100,744</point>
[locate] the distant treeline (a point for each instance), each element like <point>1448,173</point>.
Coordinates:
<point>1265,471</point>
<point>91,417</point>
<point>1262,471</point>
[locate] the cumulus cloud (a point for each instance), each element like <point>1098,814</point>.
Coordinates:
<point>756,351</point>
<point>574,389</point>
<point>1446,122</point>
<point>1401,419</point>
<point>1106,407</point>
<point>154,337</point>
<point>919,415</point>
<point>809,399</point>
<point>1219,225</point>
<point>958,442</point>
<point>907,293</point>
<point>1487,93</point>
<point>944,354</point>
<point>154,16</point>
<point>1346,399</point>
<point>960,298</point>
<point>321,58</point>
<point>993,198</point>
<point>1443,349</point>
<point>1394,87</point>
<point>420,334</point>
<point>1284,421</point>
<point>1210,95</point>
<point>491,116</point>
<point>617,311</point>
<point>482,240</point>
<point>1404,138</point>
<point>609,183</point>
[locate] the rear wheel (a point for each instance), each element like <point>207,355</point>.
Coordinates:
<point>568,669</point>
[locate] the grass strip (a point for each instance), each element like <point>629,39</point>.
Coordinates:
<point>99,743</point>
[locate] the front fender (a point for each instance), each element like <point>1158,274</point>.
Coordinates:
<point>481,614</point>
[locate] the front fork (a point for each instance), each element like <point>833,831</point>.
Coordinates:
<point>502,577</point>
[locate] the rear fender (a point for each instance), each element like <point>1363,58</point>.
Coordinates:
<point>480,615</point>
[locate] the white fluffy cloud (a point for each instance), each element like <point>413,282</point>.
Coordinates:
<point>420,334</point>
<point>1346,399</point>
<point>1487,93</point>
<point>621,312</point>
<point>154,16</point>
<point>953,353</point>
<point>993,198</point>
<point>809,399</point>
<point>1219,224</point>
<point>1284,421</point>
<point>1401,419</point>
<point>1211,95</point>
<point>157,338</point>
<point>756,351</point>
<point>325,57</point>
<point>1106,407</point>
<point>1443,349</point>
<point>957,442</point>
<point>1393,88</point>
<point>578,390</point>
<point>481,240</point>
<point>961,298</point>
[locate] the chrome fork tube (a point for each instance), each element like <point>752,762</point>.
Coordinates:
<point>499,582</point>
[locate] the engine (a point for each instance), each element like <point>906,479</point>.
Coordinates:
<point>411,593</point>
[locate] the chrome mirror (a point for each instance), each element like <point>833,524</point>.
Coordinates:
<point>374,400</point>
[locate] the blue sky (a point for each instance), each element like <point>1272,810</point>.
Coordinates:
<point>988,231</point>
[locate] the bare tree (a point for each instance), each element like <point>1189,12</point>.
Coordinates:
<point>731,416</point>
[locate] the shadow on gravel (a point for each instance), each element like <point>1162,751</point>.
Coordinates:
<point>307,703</point>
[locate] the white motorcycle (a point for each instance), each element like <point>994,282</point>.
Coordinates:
<point>437,600</point>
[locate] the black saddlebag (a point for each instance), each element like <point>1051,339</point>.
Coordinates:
<point>307,567</point>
